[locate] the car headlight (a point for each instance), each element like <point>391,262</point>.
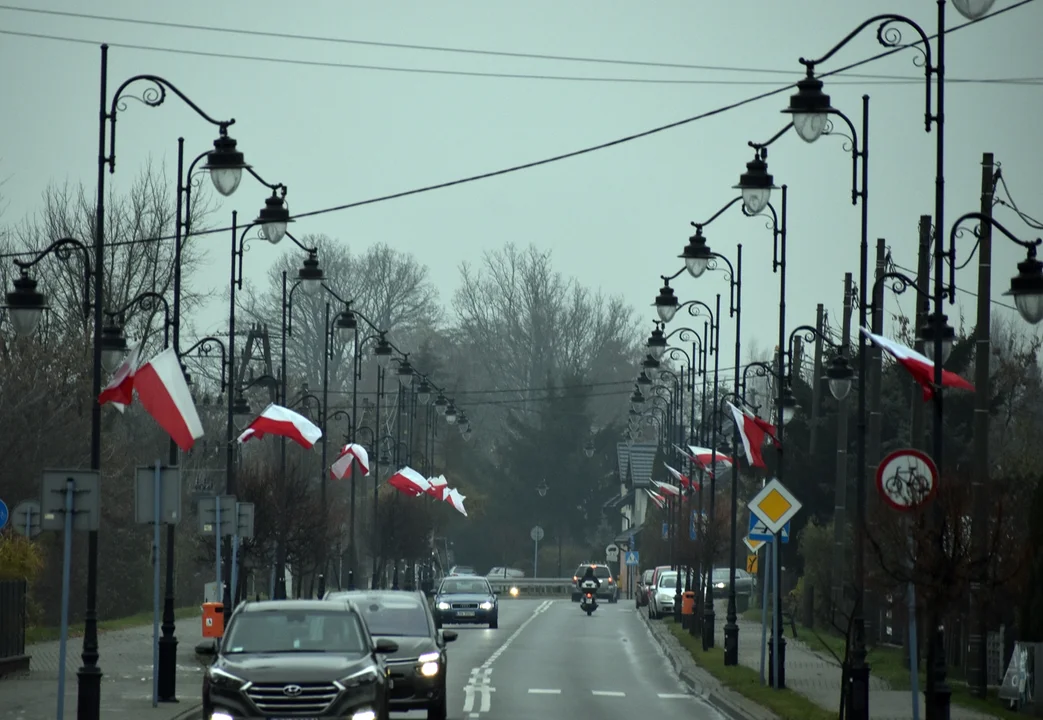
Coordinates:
<point>428,663</point>
<point>364,676</point>
<point>514,592</point>
<point>224,679</point>
<point>487,605</point>
<point>220,715</point>
<point>719,586</point>
<point>364,715</point>
<point>442,605</point>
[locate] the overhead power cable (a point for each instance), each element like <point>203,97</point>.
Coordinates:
<point>593,148</point>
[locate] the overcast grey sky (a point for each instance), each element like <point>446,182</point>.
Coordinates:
<point>616,218</point>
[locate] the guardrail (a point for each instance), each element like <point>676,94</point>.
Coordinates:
<point>533,586</point>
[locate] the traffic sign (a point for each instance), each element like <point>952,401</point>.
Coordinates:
<point>536,533</point>
<point>906,479</point>
<point>25,518</point>
<point>693,525</point>
<point>612,552</point>
<point>751,564</point>
<point>753,545</point>
<point>759,531</point>
<point>666,530</point>
<point>775,505</point>
<point>4,514</point>
<point>631,558</point>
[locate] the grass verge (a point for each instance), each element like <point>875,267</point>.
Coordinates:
<point>44,633</point>
<point>787,704</point>
<point>888,663</point>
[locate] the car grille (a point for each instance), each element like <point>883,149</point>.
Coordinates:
<point>271,699</point>
<point>464,606</point>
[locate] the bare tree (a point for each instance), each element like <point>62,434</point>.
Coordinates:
<point>388,286</point>
<point>139,227</point>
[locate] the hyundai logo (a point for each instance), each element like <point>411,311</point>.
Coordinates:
<point>292,690</point>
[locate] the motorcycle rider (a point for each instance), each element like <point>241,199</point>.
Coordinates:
<point>588,577</point>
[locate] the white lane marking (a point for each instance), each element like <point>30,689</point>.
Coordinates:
<point>541,608</point>
<point>542,691</point>
<point>608,693</point>
<point>478,685</point>
<point>674,696</point>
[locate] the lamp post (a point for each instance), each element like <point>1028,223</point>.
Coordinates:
<point>810,108</point>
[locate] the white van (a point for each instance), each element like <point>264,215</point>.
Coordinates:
<point>504,573</point>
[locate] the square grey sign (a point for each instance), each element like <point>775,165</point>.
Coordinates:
<point>145,496</point>
<point>86,499</point>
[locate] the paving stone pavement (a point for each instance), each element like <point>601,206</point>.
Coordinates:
<point>126,687</point>
<point>817,677</point>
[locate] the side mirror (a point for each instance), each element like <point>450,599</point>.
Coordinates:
<point>206,652</point>
<point>386,647</point>
<point>449,635</point>
<point>496,594</point>
<point>430,592</point>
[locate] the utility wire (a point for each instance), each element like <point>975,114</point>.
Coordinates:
<point>883,80</point>
<point>438,48</point>
<point>593,148</point>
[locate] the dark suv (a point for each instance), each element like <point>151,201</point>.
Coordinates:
<point>292,658</point>
<point>608,590</point>
<point>418,667</point>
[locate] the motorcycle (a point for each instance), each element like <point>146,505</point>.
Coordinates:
<point>588,603</point>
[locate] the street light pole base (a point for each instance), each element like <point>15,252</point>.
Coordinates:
<point>167,669</point>
<point>731,644</point>
<point>88,697</point>
<point>709,619</point>
<point>858,693</point>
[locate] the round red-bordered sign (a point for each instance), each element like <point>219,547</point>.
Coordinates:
<point>906,479</point>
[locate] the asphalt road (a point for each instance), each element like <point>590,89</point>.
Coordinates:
<point>549,660</point>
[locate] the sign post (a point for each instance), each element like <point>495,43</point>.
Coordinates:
<point>536,534</point>
<point>244,529</point>
<point>775,506</point>
<point>217,518</point>
<point>70,502</point>
<point>26,518</point>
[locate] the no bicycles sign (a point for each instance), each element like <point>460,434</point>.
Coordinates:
<point>906,479</point>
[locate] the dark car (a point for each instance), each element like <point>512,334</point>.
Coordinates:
<point>297,658</point>
<point>418,667</point>
<point>643,586</point>
<point>607,591</point>
<point>744,582</point>
<point>469,600</point>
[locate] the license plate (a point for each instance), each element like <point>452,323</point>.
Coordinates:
<point>466,613</point>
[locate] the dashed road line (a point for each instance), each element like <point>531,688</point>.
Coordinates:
<point>543,691</point>
<point>608,693</point>
<point>674,696</point>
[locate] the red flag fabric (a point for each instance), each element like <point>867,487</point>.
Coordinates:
<point>277,420</point>
<point>409,482</point>
<point>753,432</point>
<point>120,390</point>
<point>164,394</point>
<point>918,366</point>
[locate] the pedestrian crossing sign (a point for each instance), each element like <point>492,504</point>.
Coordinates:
<point>631,558</point>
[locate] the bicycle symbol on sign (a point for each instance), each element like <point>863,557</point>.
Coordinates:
<point>906,479</point>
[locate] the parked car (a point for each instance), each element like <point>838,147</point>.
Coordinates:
<point>608,590</point>
<point>661,599</point>
<point>469,600</point>
<point>462,570</point>
<point>504,573</point>
<point>643,585</point>
<point>281,658</point>
<point>417,668</point>
<point>651,585</point>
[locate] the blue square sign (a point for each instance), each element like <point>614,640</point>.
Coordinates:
<point>759,532</point>
<point>632,558</point>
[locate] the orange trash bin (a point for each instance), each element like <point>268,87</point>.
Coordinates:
<point>213,619</point>
<point>688,603</point>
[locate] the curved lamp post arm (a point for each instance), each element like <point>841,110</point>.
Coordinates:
<point>147,301</point>
<point>62,249</point>
<point>204,349</point>
<point>1029,246</point>
<point>301,245</point>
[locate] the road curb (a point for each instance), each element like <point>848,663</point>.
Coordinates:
<point>190,711</point>
<point>701,688</point>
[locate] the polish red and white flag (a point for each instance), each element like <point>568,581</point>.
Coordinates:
<point>658,499</point>
<point>409,482</point>
<point>439,487</point>
<point>667,488</point>
<point>454,498</point>
<point>682,479</point>
<point>163,392</point>
<point>120,391</point>
<point>349,454</point>
<point>705,458</point>
<point>753,431</point>
<point>277,420</point>
<point>919,366</point>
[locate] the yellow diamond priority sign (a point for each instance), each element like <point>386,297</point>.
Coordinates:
<point>774,505</point>
<point>753,545</point>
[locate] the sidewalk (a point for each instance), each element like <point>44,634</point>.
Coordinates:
<point>818,678</point>
<point>126,688</point>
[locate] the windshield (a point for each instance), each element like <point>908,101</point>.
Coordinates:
<point>600,571</point>
<point>290,631</point>
<point>723,574</point>
<point>394,616</point>
<point>476,586</point>
<point>668,580</point>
